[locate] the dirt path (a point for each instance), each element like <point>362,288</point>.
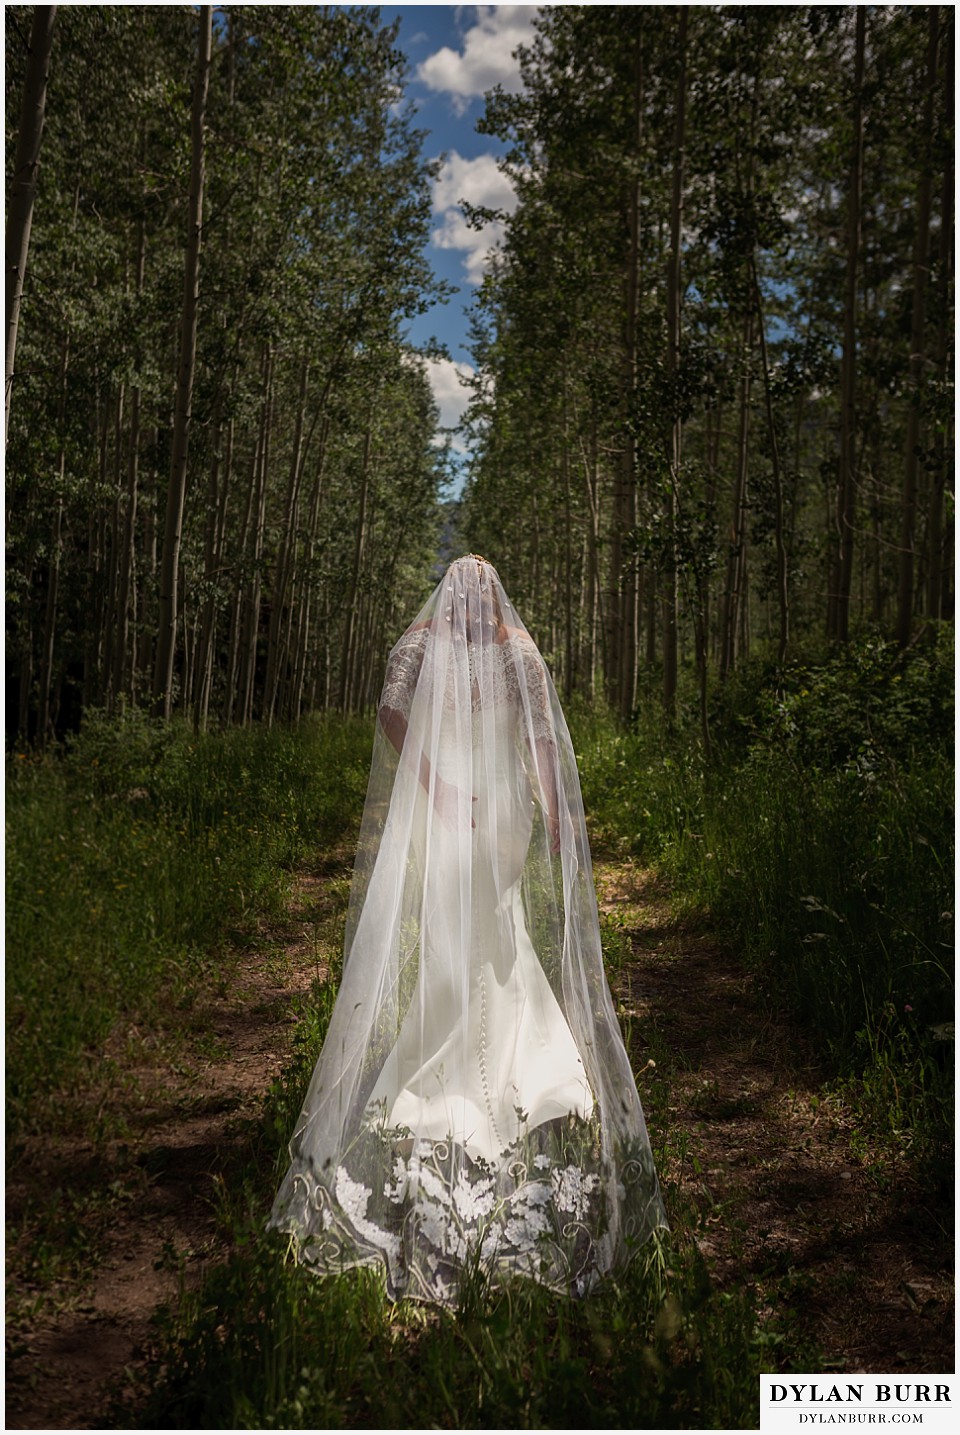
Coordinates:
<point>766,1175</point>
<point>783,1195</point>
<point>188,1121</point>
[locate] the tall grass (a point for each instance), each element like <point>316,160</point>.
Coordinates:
<point>133,855</point>
<point>820,839</point>
<point>266,1345</point>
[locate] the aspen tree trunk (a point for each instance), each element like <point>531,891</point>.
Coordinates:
<point>581,677</point>
<point>322,680</point>
<point>356,654</point>
<point>275,649</point>
<point>612,591</point>
<point>839,602</point>
<point>591,484</point>
<point>285,689</point>
<point>620,596</point>
<point>669,586</point>
<point>249,676</point>
<point>653,609</point>
<point>303,636</point>
<point>736,562</point>
<point>536,554</point>
<point>45,705</point>
<point>26,656</point>
<point>350,624</point>
<point>348,671</point>
<point>921,250</point>
<point>237,612</point>
<point>713,469</point>
<point>208,633</point>
<point>177,487</point>
<point>936,567</point>
<point>219,491</point>
<point>876,608</point>
<point>569,675</point>
<point>627,517</point>
<point>148,588</point>
<point>113,567</point>
<point>45,717</point>
<point>23,186</point>
<point>88,694</point>
<point>701,628</point>
<point>363,663</point>
<point>783,591</point>
<point>98,568</point>
<point>124,658</point>
<point>189,633</point>
<point>203,648</point>
<point>25,635</point>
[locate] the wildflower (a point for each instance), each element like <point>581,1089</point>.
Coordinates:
<point>473,1199</point>
<point>352,1196</point>
<point>525,1230</point>
<point>572,1190</point>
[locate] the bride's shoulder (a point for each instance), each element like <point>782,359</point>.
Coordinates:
<point>519,642</point>
<point>415,635</point>
<point>411,645</point>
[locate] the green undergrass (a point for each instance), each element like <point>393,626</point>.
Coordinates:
<point>264,1344</point>
<point>268,1346</point>
<point>135,856</point>
<point>819,839</point>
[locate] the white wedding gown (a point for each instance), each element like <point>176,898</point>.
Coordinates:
<point>473,1104</point>
<point>484,1039</point>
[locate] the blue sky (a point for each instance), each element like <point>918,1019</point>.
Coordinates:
<point>454,54</point>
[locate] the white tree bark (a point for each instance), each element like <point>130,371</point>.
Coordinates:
<point>24,185</point>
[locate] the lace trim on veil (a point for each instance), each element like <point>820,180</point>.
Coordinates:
<point>553,1208</point>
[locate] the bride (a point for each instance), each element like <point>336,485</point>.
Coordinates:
<point>473,1104</point>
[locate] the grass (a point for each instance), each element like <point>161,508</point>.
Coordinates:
<point>265,1345</point>
<point>818,839</point>
<point>134,857</point>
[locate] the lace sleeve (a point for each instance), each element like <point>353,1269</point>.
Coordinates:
<point>535,682</point>
<point>403,669</point>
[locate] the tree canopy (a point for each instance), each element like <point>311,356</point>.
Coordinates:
<point>309,485</point>
<point>713,403</point>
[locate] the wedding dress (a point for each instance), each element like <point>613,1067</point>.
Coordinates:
<point>473,1104</point>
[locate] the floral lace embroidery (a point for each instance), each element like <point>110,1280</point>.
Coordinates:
<point>553,1207</point>
<point>502,682</point>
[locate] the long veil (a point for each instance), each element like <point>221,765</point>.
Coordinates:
<point>473,1102</point>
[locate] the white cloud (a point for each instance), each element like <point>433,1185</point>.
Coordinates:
<point>475,181</point>
<point>449,394</point>
<point>486,58</point>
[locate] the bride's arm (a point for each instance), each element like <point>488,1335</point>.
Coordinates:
<point>547,773</point>
<point>395,726</point>
<point>543,745</point>
<point>401,681</point>
<point>403,670</point>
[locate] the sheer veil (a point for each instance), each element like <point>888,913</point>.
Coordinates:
<point>473,1100</point>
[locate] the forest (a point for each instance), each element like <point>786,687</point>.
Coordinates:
<point>709,447</point>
